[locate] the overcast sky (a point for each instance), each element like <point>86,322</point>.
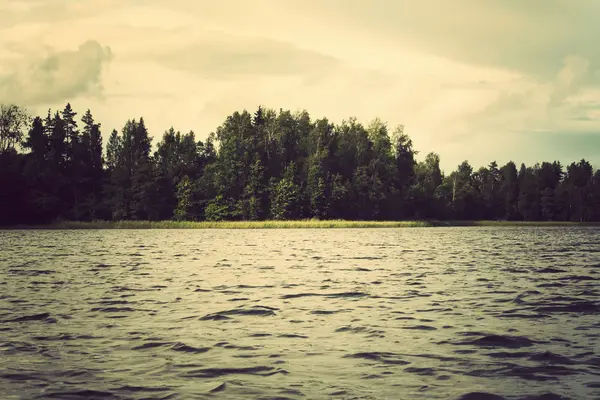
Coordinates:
<point>470,79</point>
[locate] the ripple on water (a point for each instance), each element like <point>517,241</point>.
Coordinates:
<point>493,341</point>
<point>259,311</point>
<point>382,357</point>
<point>219,372</point>
<point>457,313</point>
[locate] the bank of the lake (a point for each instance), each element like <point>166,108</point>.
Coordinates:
<point>292,224</point>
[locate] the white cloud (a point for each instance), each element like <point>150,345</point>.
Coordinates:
<point>230,57</point>
<point>570,78</point>
<point>58,76</point>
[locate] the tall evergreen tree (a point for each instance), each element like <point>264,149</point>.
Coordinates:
<point>509,191</point>
<point>269,164</point>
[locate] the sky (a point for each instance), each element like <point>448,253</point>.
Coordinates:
<point>475,80</point>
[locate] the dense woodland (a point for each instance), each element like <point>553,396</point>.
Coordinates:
<point>266,165</point>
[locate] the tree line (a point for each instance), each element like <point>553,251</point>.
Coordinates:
<point>264,165</point>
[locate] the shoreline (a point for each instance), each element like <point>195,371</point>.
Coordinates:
<point>292,224</point>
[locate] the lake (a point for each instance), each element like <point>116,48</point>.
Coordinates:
<point>413,313</point>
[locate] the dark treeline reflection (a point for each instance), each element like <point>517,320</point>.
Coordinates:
<point>266,165</point>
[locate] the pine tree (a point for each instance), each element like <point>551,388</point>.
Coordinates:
<point>183,211</point>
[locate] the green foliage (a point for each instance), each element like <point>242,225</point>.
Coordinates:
<point>249,205</point>
<point>218,209</point>
<point>279,165</point>
<point>338,196</point>
<point>284,198</point>
<point>183,211</point>
<point>316,188</point>
<point>13,120</point>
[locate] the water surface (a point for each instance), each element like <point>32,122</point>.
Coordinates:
<point>417,313</point>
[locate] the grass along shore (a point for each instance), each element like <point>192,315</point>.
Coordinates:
<point>295,224</point>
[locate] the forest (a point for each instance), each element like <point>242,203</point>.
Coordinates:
<point>266,165</point>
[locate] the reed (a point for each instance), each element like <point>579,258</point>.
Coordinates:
<point>271,224</point>
<point>533,223</point>
<point>295,224</point>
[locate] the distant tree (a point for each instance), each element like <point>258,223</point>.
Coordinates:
<point>529,201</point>
<point>578,184</point>
<point>428,178</point>
<point>250,204</point>
<point>317,176</point>
<point>265,164</point>
<point>218,209</point>
<point>404,157</point>
<point>13,121</point>
<point>509,191</point>
<point>183,211</point>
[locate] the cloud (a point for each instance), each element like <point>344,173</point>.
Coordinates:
<point>227,57</point>
<point>517,35</point>
<point>57,77</point>
<point>570,78</point>
<point>527,105</point>
<point>14,12</point>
